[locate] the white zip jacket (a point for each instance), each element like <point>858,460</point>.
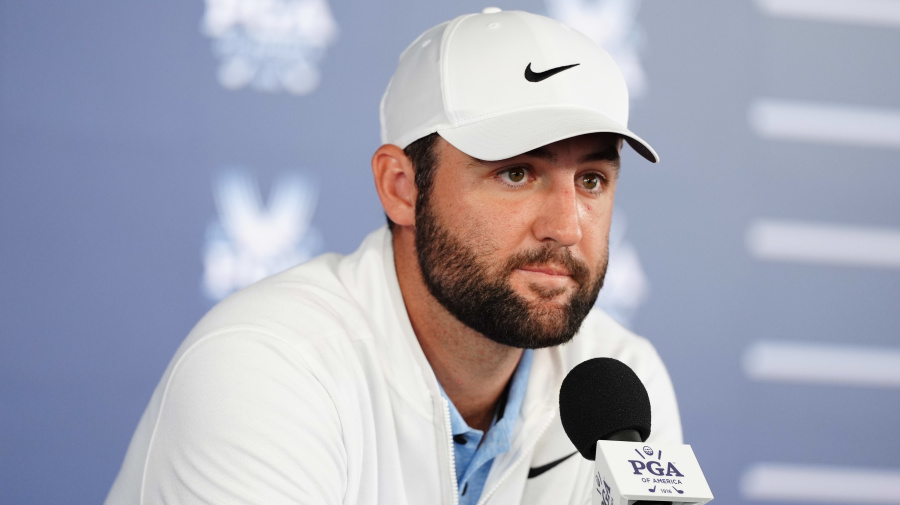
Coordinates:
<point>310,387</point>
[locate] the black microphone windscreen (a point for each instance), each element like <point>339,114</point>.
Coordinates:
<point>600,397</point>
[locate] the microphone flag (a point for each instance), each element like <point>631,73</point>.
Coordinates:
<point>625,472</point>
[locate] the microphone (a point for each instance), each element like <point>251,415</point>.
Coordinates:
<point>605,411</point>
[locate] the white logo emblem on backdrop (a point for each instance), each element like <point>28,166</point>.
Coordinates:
<point>612,25</point>
<point>626,286</point>
<point>271,45</point>
<point>250,240</point>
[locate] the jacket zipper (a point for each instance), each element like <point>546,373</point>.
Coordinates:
<point>509,471</point>
<point>448,426</point>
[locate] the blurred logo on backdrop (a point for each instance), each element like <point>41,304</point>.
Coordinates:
<point>251,240</point>
<point>611,24</point>
<point>626,287</point>
<point>269,45</point>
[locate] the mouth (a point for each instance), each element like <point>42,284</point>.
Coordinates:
<point>552,270</point>
<point>546,282</point>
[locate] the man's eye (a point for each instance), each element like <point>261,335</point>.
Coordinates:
<point>515,174</point>
<point>591,181</point>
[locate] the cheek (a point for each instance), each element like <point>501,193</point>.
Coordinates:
<point>495,226</point>
<point>487,227</point>
<point>469,222</point>
<point>597,221</point>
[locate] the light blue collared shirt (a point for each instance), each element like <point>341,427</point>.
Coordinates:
<point>474,456</point>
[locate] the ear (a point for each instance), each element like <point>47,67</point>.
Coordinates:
<point>395,183</point>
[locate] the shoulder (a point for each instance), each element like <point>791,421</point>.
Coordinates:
<point>278,369</point>
<point>294,335</point>
<point>301,326</point>
<point>328,296</point>
<point>316,320</point>
<point>309,296</point>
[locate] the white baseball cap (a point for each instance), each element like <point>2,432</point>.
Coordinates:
<point>499,84</point>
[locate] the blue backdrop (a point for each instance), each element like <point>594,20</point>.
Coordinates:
<point>154,156</point>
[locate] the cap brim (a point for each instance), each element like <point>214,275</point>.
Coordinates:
<point>513,133</point>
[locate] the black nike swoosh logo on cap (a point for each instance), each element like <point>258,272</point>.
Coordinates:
<point>537,470</point>
<point>532,76</point>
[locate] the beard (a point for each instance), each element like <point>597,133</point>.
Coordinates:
<point>484,300</point>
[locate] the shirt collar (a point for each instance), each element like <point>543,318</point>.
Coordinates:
<point>506,424</point>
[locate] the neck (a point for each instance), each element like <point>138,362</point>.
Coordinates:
<point>472,369</point>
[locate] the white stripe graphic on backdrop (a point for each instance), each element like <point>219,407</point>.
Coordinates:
<point>806,242</point>
<point>823,484</point>
<point>806,362</point>
<point>873,12</point>
<point>825,123</point>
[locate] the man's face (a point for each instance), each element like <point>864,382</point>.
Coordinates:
<point>517,249</point>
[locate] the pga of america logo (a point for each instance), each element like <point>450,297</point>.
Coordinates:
<point>664,475</point>
<point>612,25</point>
<point>271,45</point>
<point>250,240</point>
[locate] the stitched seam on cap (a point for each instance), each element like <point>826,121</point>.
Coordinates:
<point>445,40</point>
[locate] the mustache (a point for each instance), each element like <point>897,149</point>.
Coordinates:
<point>548,254</point>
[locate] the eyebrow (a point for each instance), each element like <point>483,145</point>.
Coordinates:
<point>541,153</point>
<point>607,154</point>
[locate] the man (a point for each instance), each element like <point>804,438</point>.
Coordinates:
<point>425,367</point>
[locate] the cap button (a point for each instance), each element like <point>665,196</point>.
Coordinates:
<point>491,10</point>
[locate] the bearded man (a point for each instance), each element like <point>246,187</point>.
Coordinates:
<point>425,368</point>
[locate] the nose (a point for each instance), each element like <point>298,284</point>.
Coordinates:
<point>558,218</point>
